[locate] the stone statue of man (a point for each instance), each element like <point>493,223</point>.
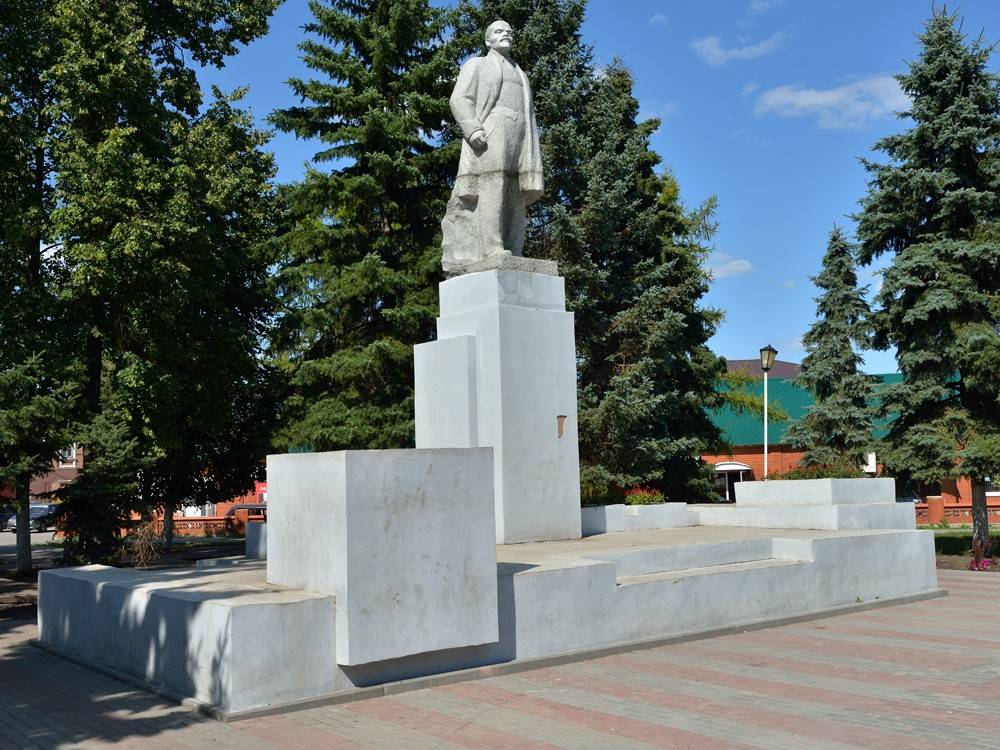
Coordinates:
<point>500,171</point>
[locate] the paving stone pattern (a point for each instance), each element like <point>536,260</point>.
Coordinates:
<point>922,675</point>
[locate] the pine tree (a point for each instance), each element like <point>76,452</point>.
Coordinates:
<point>361,260</point>
<point>837,431</point>
<point>933,206</point>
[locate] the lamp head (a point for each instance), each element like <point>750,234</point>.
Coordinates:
<point>767,355</point>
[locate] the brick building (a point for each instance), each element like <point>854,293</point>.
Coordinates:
<point>64,470</point>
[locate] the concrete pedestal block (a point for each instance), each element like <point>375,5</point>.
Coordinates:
<point>606,519</point>
<point>403,538</point>
<point>851,516</point>
<point>787,492</point>
<point>503,374</point>
<point>215,635</point>
<point>256,544</point>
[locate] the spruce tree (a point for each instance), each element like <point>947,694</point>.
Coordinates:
<point>837,431</point>
<point>933,207</point>
<point>647,377</point>
<point>360,260</point>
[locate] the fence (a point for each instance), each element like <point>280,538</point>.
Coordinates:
<point>945,508</point>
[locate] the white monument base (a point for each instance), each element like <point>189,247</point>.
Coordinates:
<point>402,538</point>
<point>256,540</point>
<point>226,638</point>
<point>604,519</point>
<point>503,374</point>
<point>812,504</point>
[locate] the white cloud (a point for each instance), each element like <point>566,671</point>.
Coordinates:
<point>749,88</point>
<point>788,283</point>
<point>760,6</point>
<point>659,19</point>
<point>848,106</point>
<point>711,51</point>
<point>723,265</point>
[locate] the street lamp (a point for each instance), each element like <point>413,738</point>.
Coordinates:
<point>767,355</point>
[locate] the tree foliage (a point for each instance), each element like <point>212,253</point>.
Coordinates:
<point>148,205</point>
<point>360,259</point>
<point>837,431</point>
<point>933,208</point>
<point>37,373</point>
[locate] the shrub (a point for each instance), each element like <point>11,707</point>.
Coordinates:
<point>643,496</point>
<point>142,546</point>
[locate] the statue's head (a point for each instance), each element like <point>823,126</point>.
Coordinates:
<point>499,36</point>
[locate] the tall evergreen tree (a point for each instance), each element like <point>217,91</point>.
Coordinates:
<point>361,259</point>
<point>631,254</point>
<point>648,376</point>
<point>933,206</point>
<point>837,431</point>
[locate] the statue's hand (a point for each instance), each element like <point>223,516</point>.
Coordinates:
<point>478,139</point>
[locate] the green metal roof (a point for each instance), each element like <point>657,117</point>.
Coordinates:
<point>748,429</point>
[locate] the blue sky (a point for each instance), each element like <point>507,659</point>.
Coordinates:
<point>766,104</point>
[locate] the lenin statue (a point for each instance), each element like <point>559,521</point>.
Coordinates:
<point>500,171</point>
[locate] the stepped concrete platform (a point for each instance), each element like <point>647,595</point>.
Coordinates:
<point>236,645</point>
<point>812,504</point>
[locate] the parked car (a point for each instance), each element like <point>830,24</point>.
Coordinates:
<point>40,517</point>
<point>6,509</point>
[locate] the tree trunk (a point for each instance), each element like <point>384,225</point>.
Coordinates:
<point>168,525</point>
<point>980,516</point>
<point>23,528</point>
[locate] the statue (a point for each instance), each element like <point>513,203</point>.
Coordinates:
<point>500,170</point>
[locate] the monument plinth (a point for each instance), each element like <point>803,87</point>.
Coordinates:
<point>502,374</point>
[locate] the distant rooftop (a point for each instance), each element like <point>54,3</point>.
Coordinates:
<point>751,367</point>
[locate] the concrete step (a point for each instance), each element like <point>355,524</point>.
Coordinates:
<point>708,570</point>
<point>649,560</point>
<point>853,516</point>
<point>816,492</point>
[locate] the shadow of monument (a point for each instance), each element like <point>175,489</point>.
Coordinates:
<point>145,629</point>
<point>61,703</point>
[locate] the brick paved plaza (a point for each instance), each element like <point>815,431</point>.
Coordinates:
<point>922,675</point>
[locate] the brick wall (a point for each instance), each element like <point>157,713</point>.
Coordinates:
<point>780,458</point>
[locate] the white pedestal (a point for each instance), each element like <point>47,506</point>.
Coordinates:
<point>403,538</point>
<point>256,542</point>
<point>812,504</point>
<point>503,374</point>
